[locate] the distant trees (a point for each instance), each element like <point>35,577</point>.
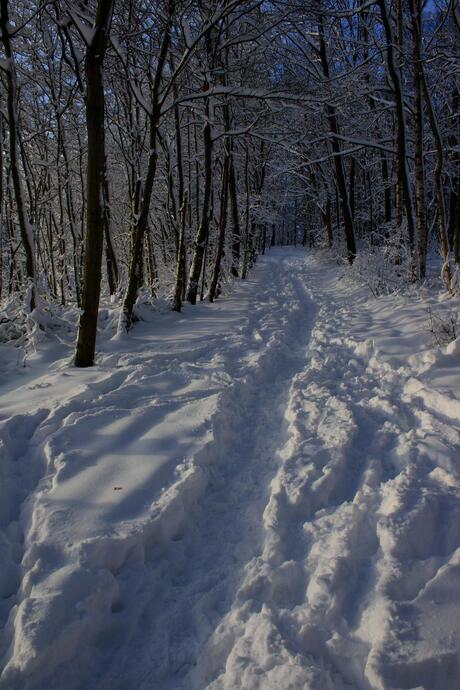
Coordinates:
<point>156,148</point>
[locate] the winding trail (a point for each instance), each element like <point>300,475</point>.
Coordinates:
<point>288,510</point>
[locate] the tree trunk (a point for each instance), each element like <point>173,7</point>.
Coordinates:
<point>137,254</point>
<point>180,264</point>
<point>403,173</point>
<point>247,236</point>
<point>328,222</point>
<point>457,227</point>
<point>110,256</point>
<point>203,230</point>
<point>454,141</point>
<point>415,10</point>
<point>338,161</point>
<point>25,227</point>
<point>236,231</point>
<point>438,173</point>
<point>181,252</point>
<point>213,290</point>
<point>95,174</point>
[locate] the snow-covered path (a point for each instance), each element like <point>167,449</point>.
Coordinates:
<point>262,494</point>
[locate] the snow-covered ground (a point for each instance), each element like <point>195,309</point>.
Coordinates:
<point>262,493</point>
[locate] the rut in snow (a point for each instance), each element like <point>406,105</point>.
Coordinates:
<point>190,585</point>
<point>309,540</point>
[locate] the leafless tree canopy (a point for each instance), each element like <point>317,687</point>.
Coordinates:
<point>155,149</point>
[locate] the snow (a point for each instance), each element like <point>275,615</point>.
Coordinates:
<point>87,32</point>
<point>259,493</point>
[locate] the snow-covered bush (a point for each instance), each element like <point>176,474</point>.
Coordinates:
<point>25,329</point>
<point>444,327</point>
<point>13,321</point>
<point>383,263</point>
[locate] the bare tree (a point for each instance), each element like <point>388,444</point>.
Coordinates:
<point>25,226</point>
<point>95,176</point>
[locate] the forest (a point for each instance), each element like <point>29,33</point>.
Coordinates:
<point>155,149</point>
<point>229,345</point>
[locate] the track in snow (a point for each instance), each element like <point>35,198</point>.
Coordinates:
<point>189,586</point>
<point>314,523</point>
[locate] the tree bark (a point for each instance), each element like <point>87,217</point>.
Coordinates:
<point>415,10</point>
<point>213,289</point>
<point>95,175</point>
<point>25,227</point>
<point>203,230</point>
<point>457,227</point>
<point>403,173</point>
<point>141,222</point>
<point>110,256</point>
<point>180,263</point>
<point>438,173</point>
<point>247,235</point>
<point>338,160</point>
<point>236,230</point>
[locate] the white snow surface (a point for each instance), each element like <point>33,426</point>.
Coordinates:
<point>258,494</point>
